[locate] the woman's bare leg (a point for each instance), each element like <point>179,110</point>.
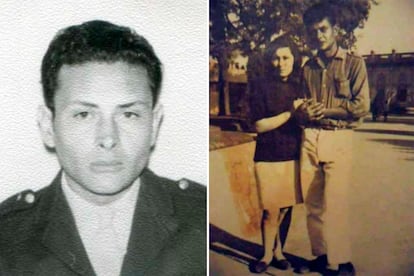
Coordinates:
<point>277,252</point>
<point>270,231</point>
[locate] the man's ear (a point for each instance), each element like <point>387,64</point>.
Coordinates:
<point>157,115</point>
<point>336,30</point>
<point>45,123</point>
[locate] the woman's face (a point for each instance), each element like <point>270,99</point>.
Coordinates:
<point>283,61</point>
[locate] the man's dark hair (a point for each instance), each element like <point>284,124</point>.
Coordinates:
<point>99,41</point>
<point>319,12</point>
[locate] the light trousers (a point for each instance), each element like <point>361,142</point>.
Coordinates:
<point>326,162</point>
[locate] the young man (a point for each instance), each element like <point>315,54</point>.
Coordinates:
<point>337,86</point>
<point>105,213</point>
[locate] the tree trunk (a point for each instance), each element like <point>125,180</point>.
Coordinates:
<point>222,67</point>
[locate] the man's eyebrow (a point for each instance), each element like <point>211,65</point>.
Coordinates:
<point>85,103</point>
<point>126,105</point>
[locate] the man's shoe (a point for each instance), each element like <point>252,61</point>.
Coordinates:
<point>280,264</point>
<point>319,264</point>
<point>316,265</point>
<point>346,269</point>
<point>258,267</point>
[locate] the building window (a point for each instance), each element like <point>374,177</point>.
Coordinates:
<point>402,88</point>
<point>381,81</point>
<point>402,93</point>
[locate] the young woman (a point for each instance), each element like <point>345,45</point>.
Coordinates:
<point>274,98</point>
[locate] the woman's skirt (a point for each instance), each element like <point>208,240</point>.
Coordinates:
<point>278,184</point>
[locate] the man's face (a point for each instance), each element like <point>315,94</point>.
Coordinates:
<point>322,35</point>
<point>283,61</point>
<point>104,125</point>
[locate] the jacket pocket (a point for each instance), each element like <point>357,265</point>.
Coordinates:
<point>343,89</point>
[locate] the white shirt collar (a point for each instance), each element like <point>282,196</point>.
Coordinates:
<point>84,210</point>
<point>89,217</point>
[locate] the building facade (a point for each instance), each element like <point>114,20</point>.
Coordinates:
<point>392,75</point>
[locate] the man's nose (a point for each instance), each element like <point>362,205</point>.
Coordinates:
<point>319,35</point>
<point>107,134</point>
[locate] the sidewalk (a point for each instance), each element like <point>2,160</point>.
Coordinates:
<point>297,244</point>
<point>382,220</point>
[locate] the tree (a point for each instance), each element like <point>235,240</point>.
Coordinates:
<point>220,47</point>
<point>249,26</point>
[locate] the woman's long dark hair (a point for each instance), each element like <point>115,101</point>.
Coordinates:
<point>269,55</point>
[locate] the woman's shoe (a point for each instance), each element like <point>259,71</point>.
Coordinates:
<point>258,266</point>
<point>282,264</point>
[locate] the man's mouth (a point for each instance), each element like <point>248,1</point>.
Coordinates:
<point>106,166</point>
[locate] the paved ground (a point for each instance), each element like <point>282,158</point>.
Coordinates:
<point>383,207</point>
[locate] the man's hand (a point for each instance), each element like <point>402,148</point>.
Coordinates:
<point>309,111</point>
<point>315,110</point>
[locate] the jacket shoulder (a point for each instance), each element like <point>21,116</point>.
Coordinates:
<point>190,203</point>
<point>23,209</point>
<point>187,193</point>
<point>190,188</point>
<point>188,198</point>
<point>20,215</point>
<point>182,190</point>
<point>354,55</point>
<point>354,58</point>
<point>19,202</point>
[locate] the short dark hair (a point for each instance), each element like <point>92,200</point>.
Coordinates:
<point>319,12</point>
<point>282,42</point>
<point>100,41</point>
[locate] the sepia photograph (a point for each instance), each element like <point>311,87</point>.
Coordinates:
<point>311,107</point>
<point>104,133</point>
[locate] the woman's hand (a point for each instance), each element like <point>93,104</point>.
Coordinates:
<point>297,103</point>
<point>309,111</point>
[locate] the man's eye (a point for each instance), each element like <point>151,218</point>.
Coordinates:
<point>82,115</point>
<point>131,114</point>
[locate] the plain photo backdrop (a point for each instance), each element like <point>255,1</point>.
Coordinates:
<point>178,32</point>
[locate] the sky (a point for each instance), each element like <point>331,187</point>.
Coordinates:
<point>389,26</point>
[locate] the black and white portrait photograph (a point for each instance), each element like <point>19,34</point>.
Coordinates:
<point>311,137</point>
<point>104,138</point>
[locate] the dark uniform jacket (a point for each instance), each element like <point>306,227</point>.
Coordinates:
<point>38,235</point>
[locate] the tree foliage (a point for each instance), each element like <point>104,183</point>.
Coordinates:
<point>249,25</point>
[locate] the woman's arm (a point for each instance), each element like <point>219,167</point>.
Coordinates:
<point>268,124</point>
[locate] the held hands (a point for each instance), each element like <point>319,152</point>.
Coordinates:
<point>309,110</point>
<point>315,110</point>
<point>297,103</point>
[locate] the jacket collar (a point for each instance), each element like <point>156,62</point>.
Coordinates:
<point>153,224</point>
<point>340,54</point>
<point>61,236</point>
